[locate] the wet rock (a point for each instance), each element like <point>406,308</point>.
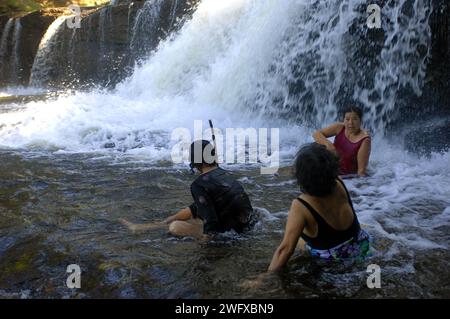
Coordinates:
<point>22,43</point>
<point>3,20</point>
<point>109,145</point>
<point>100,52</point>
<point>435,98</point>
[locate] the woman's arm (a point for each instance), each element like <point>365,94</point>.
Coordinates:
<point>294,228</point>
<point>321,136</point>
<point>363,156</point>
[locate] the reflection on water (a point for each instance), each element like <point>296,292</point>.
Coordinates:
<point>58,210</point>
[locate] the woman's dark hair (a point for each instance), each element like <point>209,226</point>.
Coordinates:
<point>354,109</point>
<point>202,153</point>
<point>316,170</point>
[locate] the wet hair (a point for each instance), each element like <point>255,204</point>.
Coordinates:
<point>202,153</point>
<point>316,170</point>
<point>354,109</point>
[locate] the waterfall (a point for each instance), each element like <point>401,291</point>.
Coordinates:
<point>98,52</point>
<point>4,38</point>
<point>10,57</point>
<point>72,44</point>
<point>46,55</point>
<point>145,28</point>
<point>16,61</point>
<point>402,60</point>
<point>329,59</point>
<point>4,57</point>
<point>102,52</point>
<point>245,62</point>
<point>106,52</point>
<point>173,15</point>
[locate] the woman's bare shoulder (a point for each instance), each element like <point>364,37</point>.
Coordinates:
<point>338,125</point>
<point>365,133</point>
<point>297,205</point>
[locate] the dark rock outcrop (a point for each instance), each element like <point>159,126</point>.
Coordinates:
<point>429,139</point>
<point>435,98</point>
<point>434,104</point>
<point>21,45</point>
<point>3,20</point>
<point>102,52</point>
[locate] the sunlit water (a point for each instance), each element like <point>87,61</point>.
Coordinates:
<point>59,209</point>
<point>70,166</point>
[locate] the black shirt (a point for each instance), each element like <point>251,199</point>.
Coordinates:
<point>220,201</point>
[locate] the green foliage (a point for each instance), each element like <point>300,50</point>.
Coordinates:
<point>14,6</point>
<point>17,6</point>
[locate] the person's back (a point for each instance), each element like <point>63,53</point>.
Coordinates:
<point>220,201</point>
<point>330,220</point>
<point>332,229</point>
<point>323,214</point>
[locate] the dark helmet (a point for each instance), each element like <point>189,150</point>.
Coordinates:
<point>202,152</point>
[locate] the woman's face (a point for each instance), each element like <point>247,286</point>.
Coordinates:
<point>352,122</point>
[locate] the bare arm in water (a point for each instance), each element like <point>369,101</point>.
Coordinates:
<point>294,228</point>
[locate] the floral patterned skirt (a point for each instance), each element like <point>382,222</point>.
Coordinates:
<point>357,248</point>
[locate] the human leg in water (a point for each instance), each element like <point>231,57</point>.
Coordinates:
<point>184,228</point>
<point>187,228</point>
<point>143,227</point>
<point>181,224</point>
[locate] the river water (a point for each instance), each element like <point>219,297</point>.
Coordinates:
<point>73,163</point>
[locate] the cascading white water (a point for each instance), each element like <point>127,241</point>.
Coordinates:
<point>5,35</point>
<point>321,57</point>
<point>10,63</point>
<point>93,54</point>
<point>173,14</point>
<point>46,53</point>
<point>105,52</point>
<point>400,64</point>
<point>72,56</point>
<point>252,63</point>
<point>145,29</point>
<point>4,58</point>
<point>16,63</point>
<point>236,60</point>
<point>183,75</point>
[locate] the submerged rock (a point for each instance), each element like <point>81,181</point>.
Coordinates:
<point>109,145</point>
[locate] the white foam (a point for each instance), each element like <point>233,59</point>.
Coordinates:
<point>229,64</point>
<point>20,90</point>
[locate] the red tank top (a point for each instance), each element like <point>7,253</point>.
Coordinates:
<point>348,153</point>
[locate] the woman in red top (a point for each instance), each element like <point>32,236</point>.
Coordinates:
<point>351,142</point>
